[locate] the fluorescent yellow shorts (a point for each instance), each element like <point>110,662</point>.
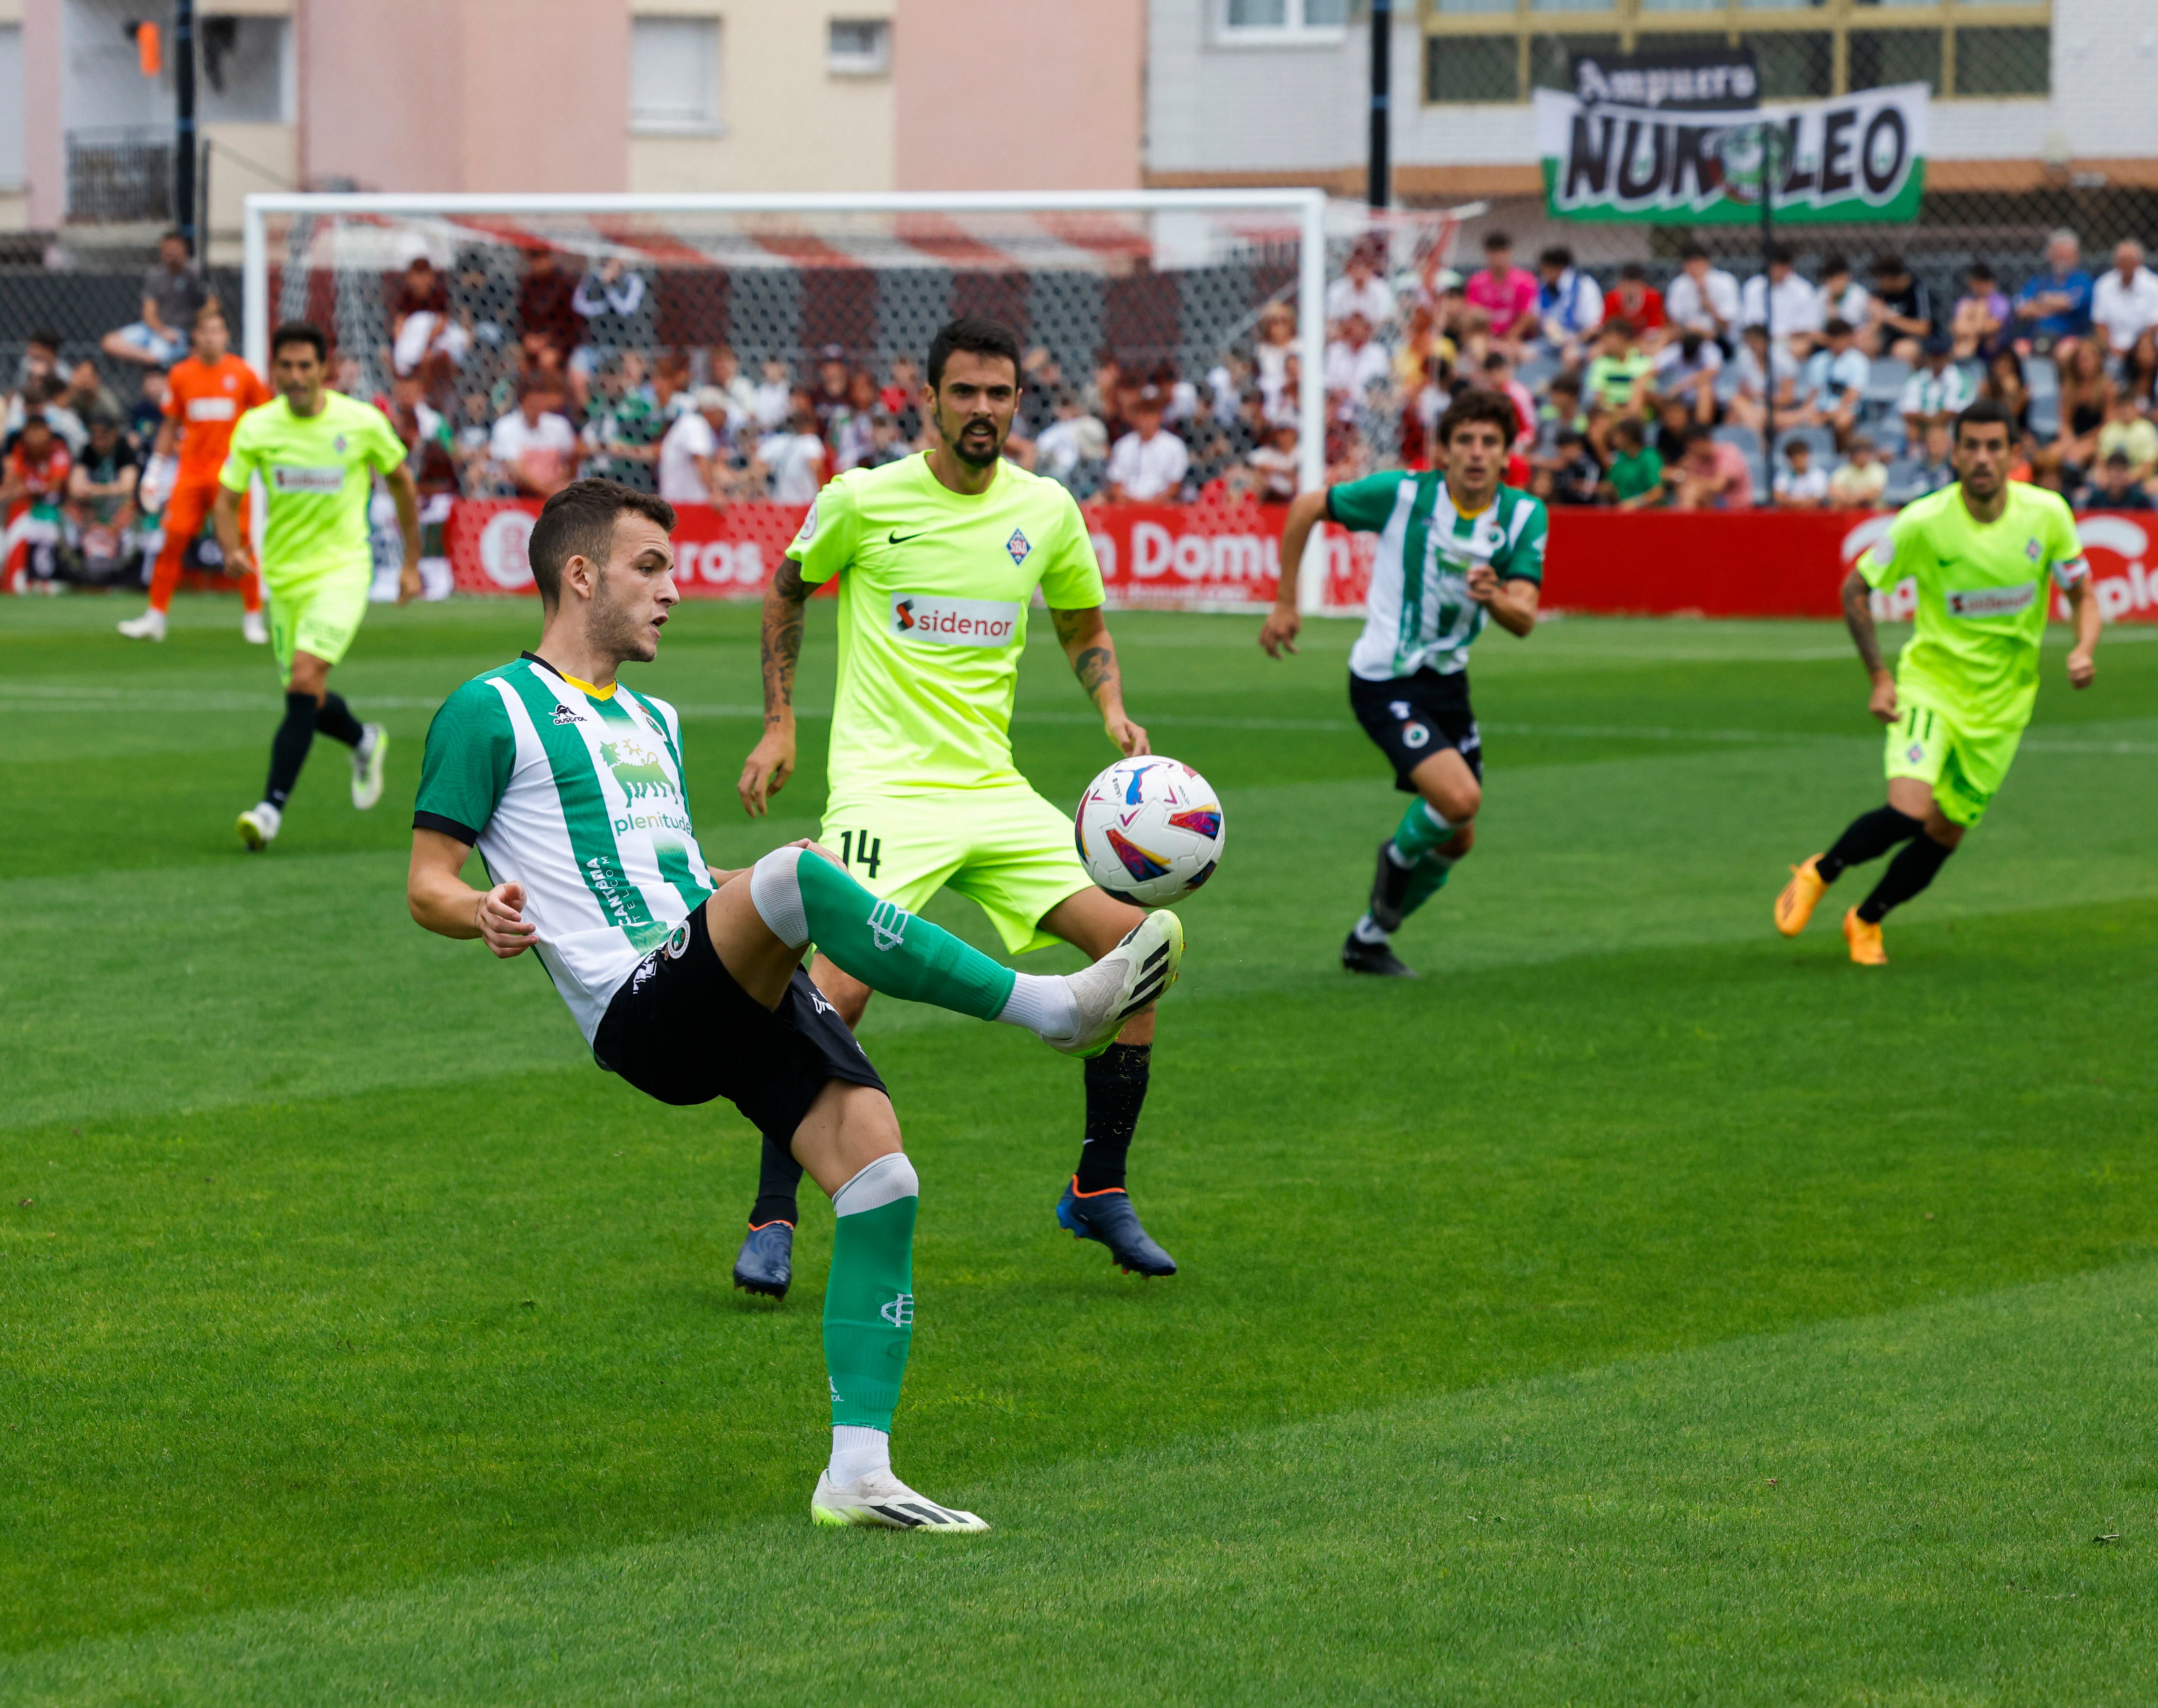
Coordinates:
<point>1965,769</point>
<point>318,615</point>
<point>1006,849</point>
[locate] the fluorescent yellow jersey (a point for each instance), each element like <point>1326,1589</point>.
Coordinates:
<point>1984,588</point>
<point>932,616</point>
<point>319,470</point>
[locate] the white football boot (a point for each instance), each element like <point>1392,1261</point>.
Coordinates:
<point>366,765</point>
<point>258,826</point>
<point>1122,982</point>
<point>883,1502</point>
<point>150,626</point>
<point>253,630</point>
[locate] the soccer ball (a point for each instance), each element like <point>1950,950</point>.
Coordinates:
<point>1149,830</point>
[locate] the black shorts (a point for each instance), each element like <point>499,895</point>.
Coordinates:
<point>682,1030</point>
<point>1413,717</point>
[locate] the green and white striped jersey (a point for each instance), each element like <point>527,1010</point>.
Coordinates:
<point>1418,614</point>
<point>577,795</point>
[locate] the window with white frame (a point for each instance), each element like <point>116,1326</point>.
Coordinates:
<point>674,76</point>
<point>858,46</point>
<point>11,106</point>
<point>1277,20</point>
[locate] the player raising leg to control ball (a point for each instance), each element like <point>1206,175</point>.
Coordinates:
<point>942,552</point>
<point>1454,548</point>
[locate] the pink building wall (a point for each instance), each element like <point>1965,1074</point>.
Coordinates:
<point>1018,93</point>
<point>44,147</point>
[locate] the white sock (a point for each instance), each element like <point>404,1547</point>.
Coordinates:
<point>1398,860</point>
<point>1439,820</point>
<point>1367,931</point>
<point>1041,1004</point>
<point>857,1451</point>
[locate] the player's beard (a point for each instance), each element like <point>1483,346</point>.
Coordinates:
<point>616,630</point>
<point>956,443</point>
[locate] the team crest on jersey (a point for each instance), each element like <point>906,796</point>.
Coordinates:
<point>637,768</point>
<point>1019,546</point>
<point>2033,549</point>
<point>1916,753</point>
<point>337,444</point>
<point>563,715</point>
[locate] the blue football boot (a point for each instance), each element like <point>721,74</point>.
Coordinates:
<point>1107,1216</point>
<point>765,1263</point>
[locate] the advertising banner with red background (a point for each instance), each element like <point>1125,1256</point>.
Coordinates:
<point>1226,557</point>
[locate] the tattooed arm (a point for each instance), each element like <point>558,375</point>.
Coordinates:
<point>771,762</point>
<point>1858,618</point>
<point>1093,655</point>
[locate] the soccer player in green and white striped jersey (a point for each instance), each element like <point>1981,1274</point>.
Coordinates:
<point>687,981</point>
<point>1454,549</point>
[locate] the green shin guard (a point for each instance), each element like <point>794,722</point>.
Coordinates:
<point>869,1300</point>
<point>1426,881</point>
<point>1417,833</point>
<point>896,951</point>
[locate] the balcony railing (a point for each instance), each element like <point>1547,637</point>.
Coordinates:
<point>119,175</point>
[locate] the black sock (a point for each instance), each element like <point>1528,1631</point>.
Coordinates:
<point>1868,837</point>
<point>778,1175</point>
<point>335,720</point>
<point>1907,873</point>
<point>1116,1090</point>
<point>288,751</point>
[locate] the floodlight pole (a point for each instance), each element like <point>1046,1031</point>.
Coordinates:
<point>1378,189</point>
<point>1767,321</point>
<point>183,125</point>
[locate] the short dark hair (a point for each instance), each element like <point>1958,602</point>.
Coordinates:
<point>1632,270</point>
<point>1834,262</point>
<point>579,522</point>
<point>1691,251</point>
<point>1836,326</point>
<point>1630,430</point>
<point>1984,413</point>
<point>1782,256</point>
<point>1558,255</point>
<point>977,337</point>
<point>301,332</point>
<point>46,337</point>
<point>1496,240</point>
<point>1494,407</point>
<point>1979,270</point>
<point>1889,265</point>
<point>1619,326</point>
<point>1567,383</point>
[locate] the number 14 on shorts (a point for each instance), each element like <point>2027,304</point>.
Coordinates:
<point>858,848</point>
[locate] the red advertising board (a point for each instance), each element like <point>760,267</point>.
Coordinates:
<point>1226,556</point>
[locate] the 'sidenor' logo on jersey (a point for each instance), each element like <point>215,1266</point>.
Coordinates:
<point>637,768</point>
<point>289,477</point>
<point>954,622</point>
<point>1990,601</point>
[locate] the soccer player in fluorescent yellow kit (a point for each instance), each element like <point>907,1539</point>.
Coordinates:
<point>318,452</point>
<point>941,554</point>
<point>1986,554</point>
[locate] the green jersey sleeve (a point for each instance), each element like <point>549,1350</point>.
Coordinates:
<point>1365,504</point>
<point>1878,563</point>
<point>825,546</point>
<point>1072,578</point>
<point>243,455</point>
<point>1522,557</point>
<point>471,751</point>
<point>379,442</point>
<point>2064,548</point>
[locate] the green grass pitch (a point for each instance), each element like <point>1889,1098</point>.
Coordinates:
<point>1638,1309</point>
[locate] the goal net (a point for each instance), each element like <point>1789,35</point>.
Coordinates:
<point>1192,359</point>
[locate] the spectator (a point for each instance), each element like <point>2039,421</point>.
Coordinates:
<point>87,394</point>
<point>1842,298</point>
<point>1561,412</point>
<point>2127,432</point>
<point>723,368</point>
<point>1686,370</point>
<point>147,411</point>
<point>902,397</point>
<point>426,337</point>
<point>1273,353</point>
<point>853,431</point>
<point>606,298</point>
<point>1575,477</point>
<point>2004,385</point>
<point>1636,480</point>
<point>1934,470</point>
<point>774,397</point>
<point>1359,290</point>
<point>1702,298</point>
<point>33,480</point>
<point>102,505</point>
<point>2047,472</point>
<point>1675,425</point>
<point>1800,486</point>
<point>1618,376</point>
<point>1354,364</point>
<point>793,459</point>
<point>1978,325</point>
<point>1937,391</point>
<point>1498,376</point>
<point>2124,303</point>
<point>1640,302</point>
<point>173,294</point>
<point>1859,484</point>
<point>1902,307</point>
<point>1758,368</point>
<point>1072,439</point>
<point>2115,486</point>
<point>2086,400</point>
<point>1569,306</point>
<point>1277,465</point>
<point>692,455</point>
<point>1148,464</point>
<point>830,397</point>
<point>534,445</point>
<point>1501,299</point>
<point>2054,309</point>
<point>546,311</point>
<point>671,395</point>
<point>623,428</point>
<point>41,355</point>
<point>1834,382</point>
<point>1784,301</point>
<point>1713,476</point>
<point>50,396</point>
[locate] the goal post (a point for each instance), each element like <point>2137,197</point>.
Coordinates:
<point>1163,294</point>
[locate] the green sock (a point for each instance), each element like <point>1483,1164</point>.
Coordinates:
<point>1419,833</point>
<point>886,946</point>
<point>868,1299</point>
<point>1426,880</point>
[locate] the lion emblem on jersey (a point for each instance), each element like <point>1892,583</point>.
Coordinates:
<point>637,769</point>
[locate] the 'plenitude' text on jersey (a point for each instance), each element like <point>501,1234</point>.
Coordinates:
<point>319,471</point>
<point>1984,588</point>
<point>578,796</point>
<point>933,616</point>
<point>1418,614</point>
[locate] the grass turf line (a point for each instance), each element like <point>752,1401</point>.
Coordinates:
<point>1613,1150</point>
